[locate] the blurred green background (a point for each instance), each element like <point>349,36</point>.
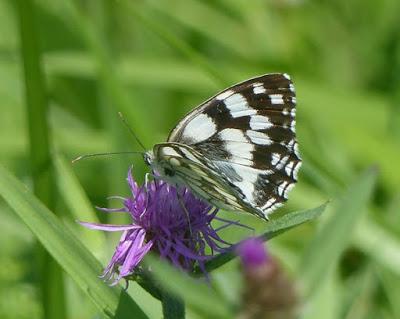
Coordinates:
<point>154,61</point>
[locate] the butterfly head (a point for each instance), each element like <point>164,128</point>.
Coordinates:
<point>164,160</point>
<point>148,157</point>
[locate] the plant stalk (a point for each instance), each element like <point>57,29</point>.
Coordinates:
<point>173,307</point>
<point>50,277</point>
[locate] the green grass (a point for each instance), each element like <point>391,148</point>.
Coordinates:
<point>50,274</point>
<point>68,67</point>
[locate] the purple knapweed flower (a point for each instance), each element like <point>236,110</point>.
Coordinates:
<point>161,224</point>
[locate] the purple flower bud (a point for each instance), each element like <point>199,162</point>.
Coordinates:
<point>252,252</point>
<point>170,221</point>
<point>267,291</point>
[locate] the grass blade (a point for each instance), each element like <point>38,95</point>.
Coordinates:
<point>78,204</point>
<point>51,278</point>
<point>66,249</point>
<point>72,14</point>
<point>381,245</point>
<point>324,251</point>
<point>324,304</point>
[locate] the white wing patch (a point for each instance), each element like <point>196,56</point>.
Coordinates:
<point>249,176</point>
<point>296,150</point>
<point>270,203</point>
<point>279,162</point>
<point>282,162</point>
<point>292,168</point>
<point>260,122</point>
<point>293,126</point>
<point>258,137</point>
<point>169,151</point>
<point>276,98</point>
<point>238,106</point>
<point>284,188</point>
<point>232,134</point>
<point>237,145</point>
<point>224,95</point>
<point>258,88</point>
<point>199,129</point>
<point>276,157</point>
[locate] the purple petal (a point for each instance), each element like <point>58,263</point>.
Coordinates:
<point>130,260</point>
<point>111,210</point>
<point>108,227</point>
<point>131,182</point>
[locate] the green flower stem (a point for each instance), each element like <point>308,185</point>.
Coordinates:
<point>172,306</point>
<point>52,287</point>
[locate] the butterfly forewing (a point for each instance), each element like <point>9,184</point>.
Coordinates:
<point>245,136</point>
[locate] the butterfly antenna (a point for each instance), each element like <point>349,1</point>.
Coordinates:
<point>131,131</point>
<point>81,157</point>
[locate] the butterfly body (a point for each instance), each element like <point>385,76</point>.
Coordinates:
<point>181,165</point>
<point>238,149</point>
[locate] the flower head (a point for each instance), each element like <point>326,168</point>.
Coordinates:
<point>170,221</point>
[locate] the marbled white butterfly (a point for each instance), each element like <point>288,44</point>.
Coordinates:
<point>238,149</point>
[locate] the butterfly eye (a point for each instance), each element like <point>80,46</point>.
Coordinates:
<point>169,172</point>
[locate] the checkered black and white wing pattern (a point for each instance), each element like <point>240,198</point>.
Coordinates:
<point>247,133</point>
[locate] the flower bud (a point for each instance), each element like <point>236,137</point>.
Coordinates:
<point>267,291</point>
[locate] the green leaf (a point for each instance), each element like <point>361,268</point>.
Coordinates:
<point>378,243</point>
<point>274,228</point>
<point>78,204</point>
<point>196,294</point>
<point>66,249</point>
<point>358,293</point>
<point>392,290</point>
<point>324,251</point>
<point>324,304</point>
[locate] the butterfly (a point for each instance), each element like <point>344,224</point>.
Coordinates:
<point>238,149</point>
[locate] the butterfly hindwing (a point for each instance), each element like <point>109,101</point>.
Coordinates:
<point>181,165</point>
<point>245,142</point>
